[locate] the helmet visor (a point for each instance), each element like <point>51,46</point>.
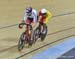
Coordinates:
<point>44,13</point>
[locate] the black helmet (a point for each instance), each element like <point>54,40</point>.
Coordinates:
<point>28,9</point>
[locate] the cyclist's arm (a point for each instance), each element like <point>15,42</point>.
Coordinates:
<point>34,15</point>
<point>39,16</point>
<point>48,16</point>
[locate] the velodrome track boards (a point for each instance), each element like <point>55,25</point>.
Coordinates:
<point>61,26</point>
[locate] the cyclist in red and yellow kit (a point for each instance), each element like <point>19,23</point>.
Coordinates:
<point>44,16</point>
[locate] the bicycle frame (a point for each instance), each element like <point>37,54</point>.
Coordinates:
<point>25,37</point>
<point>28,28</point>
<point>41,25</point>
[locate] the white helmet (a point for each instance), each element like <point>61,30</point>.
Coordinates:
<point>43,11</point>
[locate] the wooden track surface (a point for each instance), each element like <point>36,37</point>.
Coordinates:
<point>60,26</point>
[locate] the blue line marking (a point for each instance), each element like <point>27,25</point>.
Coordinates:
<point>56,51</point>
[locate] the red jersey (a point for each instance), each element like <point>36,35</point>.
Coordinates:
<point>42,19</point>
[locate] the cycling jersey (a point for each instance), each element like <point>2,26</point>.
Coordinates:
<point>32,17</point>
<point>45,19</point>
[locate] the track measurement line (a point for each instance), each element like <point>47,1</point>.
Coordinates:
<point>47,35</point>
<point>43,46</point>
<point>64,14</point>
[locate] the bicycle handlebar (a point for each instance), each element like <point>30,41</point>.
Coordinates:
<point>26,24</point>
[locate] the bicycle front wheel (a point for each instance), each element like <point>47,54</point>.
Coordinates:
<point>21,42</point>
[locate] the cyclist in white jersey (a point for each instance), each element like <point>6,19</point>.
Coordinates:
<point>30,17</point>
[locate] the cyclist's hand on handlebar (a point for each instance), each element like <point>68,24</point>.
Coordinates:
<point>20,26</point>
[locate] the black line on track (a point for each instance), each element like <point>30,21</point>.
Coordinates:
<point>43,46</point>
<point>50,42</point>
<point>64,14</point>
<point>61,31</point>
<point>8,48</point>
<point>47,35</point>
<point>8,26</point>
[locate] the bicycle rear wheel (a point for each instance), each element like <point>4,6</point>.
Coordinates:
<point>36,34</point>
<point>44,33</point>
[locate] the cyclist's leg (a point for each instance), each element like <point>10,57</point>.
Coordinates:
<point>41,26</point>
<point>29,34</point>
<point>30,37</point>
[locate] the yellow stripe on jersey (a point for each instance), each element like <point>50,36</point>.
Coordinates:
<point>49,15</point>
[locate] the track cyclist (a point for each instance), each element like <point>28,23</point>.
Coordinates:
<point>30,17</point>
<point>44,16</point>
